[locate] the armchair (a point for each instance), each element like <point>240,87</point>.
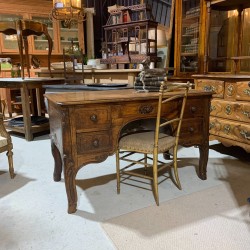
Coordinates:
<point>6,145</point>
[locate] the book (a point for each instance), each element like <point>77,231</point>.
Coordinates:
<point>151,79</point>
<point>149,88</point>
<point>152,83</point>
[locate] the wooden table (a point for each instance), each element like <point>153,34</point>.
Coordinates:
<point>24,85</point>
<point>99,75</point>
<point>85,127</point>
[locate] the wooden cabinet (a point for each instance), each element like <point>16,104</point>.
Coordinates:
<point>189,32</point>
<point>230,108</point>
<point>38,45</point>
<point>227,42</point>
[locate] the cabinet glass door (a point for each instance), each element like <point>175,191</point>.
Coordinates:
<point>41,42</point>
<point>189,35</point>
<point>68,36</point>
<point>9,42</point>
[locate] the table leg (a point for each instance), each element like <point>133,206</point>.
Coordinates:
<point>70,184</point>
<point>57,161</point>
<point>38,102</point>
<point>204,149</point>
<point>26,112</point>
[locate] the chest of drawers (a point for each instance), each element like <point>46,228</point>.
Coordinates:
<point>230,108</point>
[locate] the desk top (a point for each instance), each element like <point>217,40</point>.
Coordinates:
<point>123,95</point>
<point>31,79</point>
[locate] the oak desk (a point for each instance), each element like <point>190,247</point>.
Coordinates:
<point>24,85</point>
<point>85,127</point>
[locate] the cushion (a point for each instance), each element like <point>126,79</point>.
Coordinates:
<point>3,141</point>
<point>144,142</point>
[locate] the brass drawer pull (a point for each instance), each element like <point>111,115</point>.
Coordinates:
<point>227,129</point>
<point>95,143</point>
<point>146,109</point>
<point>211,125</point>
<point>245,134</point>
<point>212,108</point>
<point>93,118</point>
<point>209,88</point>
<point>228,109</point>
<point>247,92</point>
<point>246,113</point>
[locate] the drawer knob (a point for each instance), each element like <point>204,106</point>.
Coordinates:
<point>93,118</point>
<point>191,130</point>
<point>95,143</point>
<point>193,109</point>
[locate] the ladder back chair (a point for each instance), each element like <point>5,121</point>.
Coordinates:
<point>172,96</point>
<point>6,145</point>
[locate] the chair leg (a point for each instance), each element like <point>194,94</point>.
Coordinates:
<point>145,163</point>
<point>118,170</point>
<point>176,168</point>
<point>10,160</point>
<point>155,180</point>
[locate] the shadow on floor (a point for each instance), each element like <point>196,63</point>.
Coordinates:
<point>234,151</point>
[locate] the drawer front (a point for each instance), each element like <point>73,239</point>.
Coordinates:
<point>92,118</point>
<point>93,142</point>
<point>192,131</point>
<point>238,111</point>
<point>231,130</point>
<point>139,109</point>
<point>194,108</point>
<point>211,85</point>
<point>243,91</point>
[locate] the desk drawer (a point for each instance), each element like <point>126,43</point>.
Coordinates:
<point>194,108</point>
<point>192,130</point>
<point>92,118</point>
<point>93,142</point>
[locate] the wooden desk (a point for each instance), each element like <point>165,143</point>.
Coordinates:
<point>24,85</point>
<point>85,127</point>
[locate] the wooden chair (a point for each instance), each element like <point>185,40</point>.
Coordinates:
<point>6,145</point>
<point>24,28</point>
<point>172,98</point>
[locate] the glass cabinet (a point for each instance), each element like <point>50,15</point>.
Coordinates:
<point>40,43</point>
<point>9,42</point>
<point>188,25</point>
<point>190,36</point>
<point>68,36</point>
<point>228,37</point>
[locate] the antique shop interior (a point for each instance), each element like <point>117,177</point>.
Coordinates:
<point>124,124</point>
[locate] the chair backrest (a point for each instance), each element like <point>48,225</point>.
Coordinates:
<point>172,98</point>
<point>69,58</point>
<point>24,28</point>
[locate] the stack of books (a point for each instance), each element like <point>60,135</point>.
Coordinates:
<point>149,82</point>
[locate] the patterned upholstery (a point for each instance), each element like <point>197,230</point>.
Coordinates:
<point>144,142</point>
